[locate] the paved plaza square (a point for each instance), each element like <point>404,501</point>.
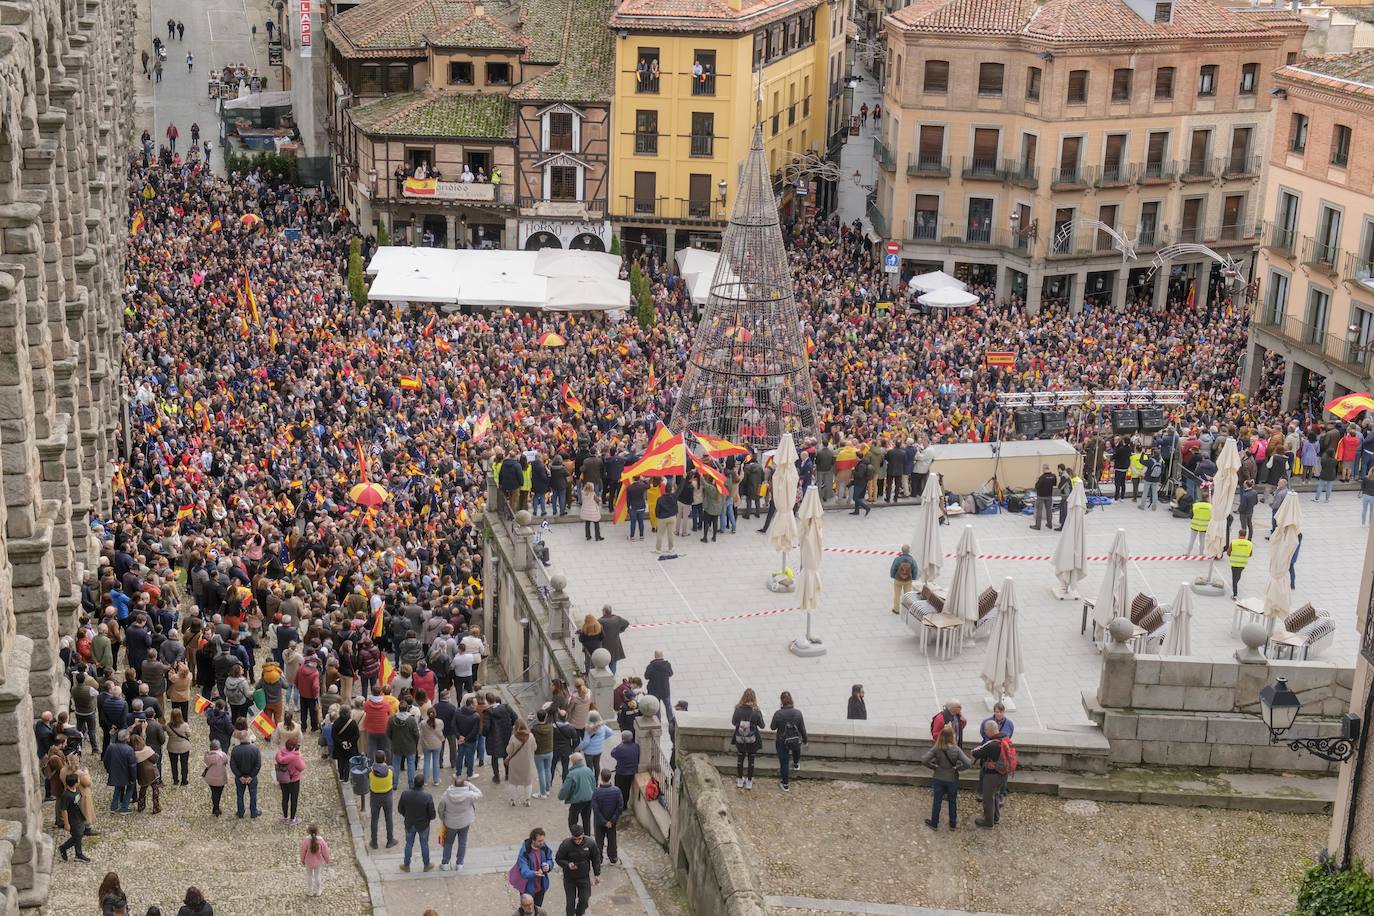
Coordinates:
<point>691,606</point>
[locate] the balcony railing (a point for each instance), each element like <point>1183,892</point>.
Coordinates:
<point>1360,269</point>
<point>1280,240</point>
<point>1158,172</point>
<point>1190,233</point>
<point>1114,175</point>
<point>980,169</point>
<point>646,144</point>
<point>1148,237</point>
<point>646,83</point>
<point>1232,232</point>
<point>1320,255</point>
<point>1022,174</point>
<point>643,206</point>
<point>1199,170</point>
<point>883,156</point>
<point>1315,339</point>
<point>701,208</point>
<point>1239,166</point>
<point>703,146</point>
<point>584,209</point>
<point>704,84</point>
<point>977,235</point>
<point>875,216</point>
<point>1072,177</point>
<point>923,230</point>
<point>934,166</point>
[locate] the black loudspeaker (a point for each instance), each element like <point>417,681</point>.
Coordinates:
<point>1151,419</point>
<point>1028,422</point>
<point>1056,421</point>
<point>1125,420</point>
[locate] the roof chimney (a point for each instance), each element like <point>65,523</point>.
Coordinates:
<point>480,9</point>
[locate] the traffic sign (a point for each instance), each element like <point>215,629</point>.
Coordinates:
<point>894,247</point>
<point>892,263</point>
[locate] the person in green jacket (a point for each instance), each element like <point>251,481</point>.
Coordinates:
<point>403,731</point>
<point>577,790</point>
<point>102,650</point>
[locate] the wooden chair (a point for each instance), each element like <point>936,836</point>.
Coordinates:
<point>987,609</point>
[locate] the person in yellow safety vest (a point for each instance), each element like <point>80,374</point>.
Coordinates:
<point>1137,471</point>
<point>1202,515</point>
<point>1240,550</point>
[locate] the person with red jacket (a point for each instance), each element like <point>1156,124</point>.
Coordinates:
<point>424,679</point>
<point>376,715</point>
<point>951,715</point>
<point>290,765</point>
<point>308,685</point>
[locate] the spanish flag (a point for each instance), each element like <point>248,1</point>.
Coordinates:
<point>201,704</point>
<point>243,327</point>
<point>377,625</point>
<point>185,512</point>
<point>719,448</point>
<point>429,329</point>
<point>482,427</point>
<point>136,224</point>
<point>710,473</point>
<point>399,567</point>
<point>262,724</point>
<point>252,300</point>
<point>846,458</point>
<point>667,458</point>
<point>574,404</point>
<point>421,187</point>
<point>216,226</point>
<point>410,383</point>
<point>810,345</point>
<point>443,346</point>
<point>1351,405</point>
<point>388,671</point>
<point>621,510</point>
<point>1192,293</point>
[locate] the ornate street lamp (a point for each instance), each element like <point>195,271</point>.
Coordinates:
<point>1279,707</point>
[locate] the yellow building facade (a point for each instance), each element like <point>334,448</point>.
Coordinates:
<point>692,80</point>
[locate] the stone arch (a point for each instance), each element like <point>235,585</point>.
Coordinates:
<point>10,153</point>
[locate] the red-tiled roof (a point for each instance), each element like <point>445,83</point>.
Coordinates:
<point>704,15</point>
<point>1076,20</point>
<point>1346,73</point>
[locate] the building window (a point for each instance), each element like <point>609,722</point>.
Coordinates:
<point>1149,223</point>
<point>699,196</point>
<point>703,134</point>
<point>646,133</point>
<point>926,223</point>
<point>1156,148</point>
<point>899,70</point>
<point>562,182</point>
<point>1291,58</point>
<point>1276,303</point>
<point>1239,161</point>
<point>460,73</point>
<point>1164,83</point>
<point>703,73</point>
<point>937,76</point>
<point>1164,12</point>
<point>1249,79</point>
<point>1062,241</point>
<point>1297,140</point>
<point>1340,145</point>
<point>990,79</point>
<point>397,78</point>
<point>370,78</point>
<point>646,192</point>
<point>930,148</point>
<point>777,114</point>
<point>498,74</point>
<point>1207,81</point>
<point>1121,84</point>
<point>560,132</point>
<point>1033,84</point>
<point>1078,87</point>
<point>760,45</point>
<point>1318,311</point>
<point>985,143</point>
<point>646,70</point>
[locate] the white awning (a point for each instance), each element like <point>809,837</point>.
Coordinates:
<point>573,294</point>
<point>936,279</point>
<point>505,290</point>
<point>414,284</point>
<point>948,298</point>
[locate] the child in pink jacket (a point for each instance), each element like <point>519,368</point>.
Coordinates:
<point>314,856</point>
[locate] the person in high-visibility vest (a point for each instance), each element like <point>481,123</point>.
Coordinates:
<point>1136,471</point>
<point>1202,515</point>
<point>1240,550</point>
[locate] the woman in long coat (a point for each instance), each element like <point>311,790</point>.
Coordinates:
<point>520,764</point>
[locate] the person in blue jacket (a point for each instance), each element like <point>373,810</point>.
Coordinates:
<point>594,741</point>
<point>121,769</point>
<point>607,806</point>
<point>534,861</point>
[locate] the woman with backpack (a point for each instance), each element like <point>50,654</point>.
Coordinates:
<point>789,730</point>
<point>998,759</point>
<point>946,758</point>
<point>747,738</point>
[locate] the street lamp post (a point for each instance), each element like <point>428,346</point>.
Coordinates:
<point>1279,708</point>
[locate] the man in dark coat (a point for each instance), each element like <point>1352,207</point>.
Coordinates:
<point>612,626</point>
<point>121,772</point>
<point>657,676</point>
<point>580,860</point>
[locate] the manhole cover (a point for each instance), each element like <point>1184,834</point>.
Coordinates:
<point>1081,807</point>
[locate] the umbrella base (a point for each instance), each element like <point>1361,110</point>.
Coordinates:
<point>1007,703</point>
<point>803,647</point>
<point>781,582</point>
<point>1065,594</point>
<point>1209,587</point>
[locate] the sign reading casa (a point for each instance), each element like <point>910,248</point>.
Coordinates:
<point>307,26</point>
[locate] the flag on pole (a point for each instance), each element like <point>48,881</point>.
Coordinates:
<point>388,671</point>
<point>263,724</point>
<point>573,402</point>
<point>410,383</point>
<point>243,328</point>
<point>137,223</point>
<point>482,427</point>
<point>201,704</point>
<point>667,458</point>
<point>185,512</point>
<point>1192,293</point>
<point>1351,405</point>
<point>377,625</point>
<point>252,300</point>
<point>719,448</point>
<point>216,226</point>
<point>709,473</point>
<point>443,346</point>
<point>399,566</point>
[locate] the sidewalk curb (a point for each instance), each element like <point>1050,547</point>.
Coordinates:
<point>365,864</point>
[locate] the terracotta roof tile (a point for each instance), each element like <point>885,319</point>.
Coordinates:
<point>1075,20</point>
<point>704,15</point>
<point>395,26</point>
<point>483,32</point>
<point>1349,73</point>
<point>429,114</point>
<point>584,74</point>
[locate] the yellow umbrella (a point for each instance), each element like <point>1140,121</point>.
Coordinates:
<point>551,339</point>
<point>369,494</point>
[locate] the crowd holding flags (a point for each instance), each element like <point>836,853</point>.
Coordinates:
<point>669,456</point>
<point>574,403</point>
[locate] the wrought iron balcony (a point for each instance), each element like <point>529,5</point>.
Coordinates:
<point>924,165</point>
<point>1319,255</point>
<point>883,156</point>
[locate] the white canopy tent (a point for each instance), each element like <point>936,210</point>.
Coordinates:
<point>559,262</point>
<point>414,284</point>
<point>499,278</point>
<point>936,279</point>
<point>697,268</point>
<point>571,294</point>
<point>500,290</point>
<point>948,298</point>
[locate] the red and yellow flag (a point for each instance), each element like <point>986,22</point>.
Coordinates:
<point>185,512</point>
<point>137,223</point>
<point>482,427</point>
<point>252,300</point>
<point>399,567</point>
<point>1351,405</point>
<point>719,448</point>
<point>443,346</point>
<point>573,402</point>
<point>201,704</point>
<point>243,328</point>
<point>621,511</point>
<point>667,458</point>
<point>216,225</point>
<point>709,473</point>
<point>421,187</point>
<point>410,383</point>
<point>377,625</point>
<point>846,458</point>
<point>263,724</point>
<point>388,671</point>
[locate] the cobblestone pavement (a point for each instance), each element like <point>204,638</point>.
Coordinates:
<point>847,841</point>
<point>245,867</point>
<point>690,607</point>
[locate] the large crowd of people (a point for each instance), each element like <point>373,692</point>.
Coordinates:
<point>244,592</point>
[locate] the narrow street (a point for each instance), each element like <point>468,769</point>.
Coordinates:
<point>857,155</point>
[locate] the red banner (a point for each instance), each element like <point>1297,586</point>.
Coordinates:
<point>1005,358</point>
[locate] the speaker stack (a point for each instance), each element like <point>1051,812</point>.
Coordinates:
<point>1055,422</point>
<point>1125,420</point>
<point>1151,419</point>
<point>1028,422</point>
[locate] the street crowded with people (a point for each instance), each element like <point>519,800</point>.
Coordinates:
<point>253,595</point>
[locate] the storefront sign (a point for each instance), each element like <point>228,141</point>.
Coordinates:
<point>569,233</point>
<point>481,192</point>
<point>274,53</point>
<point>307,26</point>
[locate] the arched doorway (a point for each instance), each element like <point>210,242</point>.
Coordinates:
<point>587,241</point>
<point>538,240</point>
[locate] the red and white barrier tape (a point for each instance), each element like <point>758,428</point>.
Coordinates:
<point>727,619</point>
<point>871,552</point>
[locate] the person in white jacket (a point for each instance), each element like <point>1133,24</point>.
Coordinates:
<point>457,811</point>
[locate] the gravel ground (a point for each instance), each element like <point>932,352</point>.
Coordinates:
<point>849,841</point>
<point>244,867</point>
<point>655,870</point>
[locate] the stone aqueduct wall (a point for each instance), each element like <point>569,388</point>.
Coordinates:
<point>66,125</point>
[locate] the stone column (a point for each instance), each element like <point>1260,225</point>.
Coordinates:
<point>1160,293</point>
<point>1119,290</point>
<point>601,681</point>
<point>1204,285</point>
<point>649,734</point>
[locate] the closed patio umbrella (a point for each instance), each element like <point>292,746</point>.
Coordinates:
<point>783,533</point>
<point>1002,666</point>
<point>925,546</point>
<point>811,518</point>
<point>962,601</point>
<point>1283,543</point>
<point>1179,640</point>
<point>1070,556</point>
<point>1113,600</point>
<point>1223,494</point>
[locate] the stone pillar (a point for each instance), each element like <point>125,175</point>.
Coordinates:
<point>561,608</point>
<point>670,244</point>
<point>649,734</point>
<point>1288,399</point>
<point>451,230</point>
<point>21,795</point>
<point>1003,283</point>
<point>601,681</point>
<point>1204,285</point>
<point>1117,681</point>
<point>1161,289</point>
<point>1119,290</point>
<point>523,534</point>
<point>1035,289</point>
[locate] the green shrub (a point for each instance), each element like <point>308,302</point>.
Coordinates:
<point>383,237</point>
<point>357,287</point>
<point>1325,891</point>
<point>615,244</point>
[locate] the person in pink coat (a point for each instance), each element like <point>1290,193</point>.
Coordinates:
<point>289,767</point>
<point>314,856</point>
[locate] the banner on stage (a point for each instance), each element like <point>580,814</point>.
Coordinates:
<point>1006,358</point>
